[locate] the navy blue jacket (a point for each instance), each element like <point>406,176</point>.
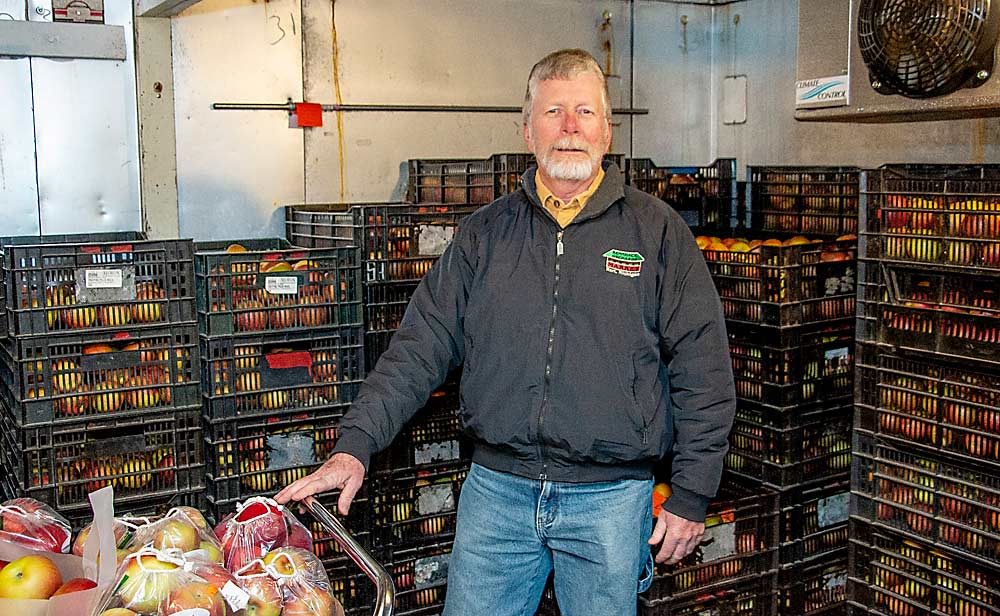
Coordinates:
<point>589,352</point>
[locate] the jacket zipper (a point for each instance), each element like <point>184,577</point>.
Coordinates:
<point>548,356</point>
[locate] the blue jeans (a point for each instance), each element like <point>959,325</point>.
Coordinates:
<point>512,532</point>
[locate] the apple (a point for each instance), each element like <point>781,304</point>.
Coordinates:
<point>194,595</point>
<point>265,595</point>
<point>309,600</point>
<point>213,573</point>
<point>144,587</point>
<point>176,533</point>
<point>118,611</point>
<point>75,585</point>
<point>29,577</point>
<point>299,537</point>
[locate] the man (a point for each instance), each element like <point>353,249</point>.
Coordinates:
<point>593,345</point>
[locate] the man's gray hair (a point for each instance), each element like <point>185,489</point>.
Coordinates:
<point>564,64</point>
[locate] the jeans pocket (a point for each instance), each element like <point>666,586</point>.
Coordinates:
<point>646,578</point>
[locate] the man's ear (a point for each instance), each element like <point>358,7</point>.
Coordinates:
<point>526,131</point>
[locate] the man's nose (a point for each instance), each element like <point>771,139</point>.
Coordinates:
<point>569,123</point>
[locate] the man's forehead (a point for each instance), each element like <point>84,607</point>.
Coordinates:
<point>581,84</point>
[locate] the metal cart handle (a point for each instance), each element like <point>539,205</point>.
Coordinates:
<point>385,590</point>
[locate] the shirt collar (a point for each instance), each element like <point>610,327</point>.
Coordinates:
<point>544,193</point>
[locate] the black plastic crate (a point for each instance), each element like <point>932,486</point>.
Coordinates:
<point>741,542</point>
<point>813,445</point>
<point>755,596</point>
<point>950,313</point>
<point>786,285</point>
<point>814,588</point>
<point>704,196</point>
<point>271,286</point>
<point>416,507</point>
<point>148,459</point>
<point>807,200</point>
<point>385,305</point>
<point>471,181</point>
<point>891,574</point>
<point>258,455</point>
<point>399,242</point>
<point>433,435</point>
<point>819,365</point>
<point>68,377</point>
<point>421,578</point>
<point>945,409</point>
<point>951,506</point>
<point>933,215</point>
<point>254,375</point>
<point>96,282</point>
<point>814,522</point>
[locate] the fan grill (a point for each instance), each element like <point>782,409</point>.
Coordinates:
<point>925,48</point>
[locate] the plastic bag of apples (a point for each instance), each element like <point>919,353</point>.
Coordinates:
<point>169,581</point>
<point>258,526</point>
<point>43,582</point>
<point>288,581</point>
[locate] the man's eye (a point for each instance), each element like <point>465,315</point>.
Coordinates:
<point>586,112</point>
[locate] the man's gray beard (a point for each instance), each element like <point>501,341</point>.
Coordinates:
<point>570,169</point>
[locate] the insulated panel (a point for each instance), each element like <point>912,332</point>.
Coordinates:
<point>18,189</point>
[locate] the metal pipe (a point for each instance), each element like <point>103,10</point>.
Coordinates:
<point>290,107</point>
<point>385,590</point>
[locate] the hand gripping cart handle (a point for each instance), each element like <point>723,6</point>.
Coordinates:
<point>384,588</point>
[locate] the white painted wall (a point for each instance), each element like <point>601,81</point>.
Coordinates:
<point>234,166</point>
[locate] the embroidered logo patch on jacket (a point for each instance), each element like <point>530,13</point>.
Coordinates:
<point>623,262</point>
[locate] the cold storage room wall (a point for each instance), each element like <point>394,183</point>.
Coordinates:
<point>69,153</point>
<point>235,167</point>
<point>762,45</point>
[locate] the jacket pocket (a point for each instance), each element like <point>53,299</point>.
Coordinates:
<point>628,377</point>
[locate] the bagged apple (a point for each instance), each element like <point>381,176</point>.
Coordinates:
<point>183,529</point>
<point>124,529</point>
<point>164,582</point>
<point>258,526</point>
<point>38,582</point>
<point>289,581</point>
<point>34,524</point>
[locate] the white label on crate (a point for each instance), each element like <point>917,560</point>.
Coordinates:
<point>430,571</point>
<point>833,509</point>
<point>236,597</point>
<point>436,498</point>
<point>104,279</point>
<point>835,580</point>
<point>838,285</point>
<point>719,542</point>
<point>432,240</point>
<point>837,361</point>
<point>281,285</point>
<point>427,453</point>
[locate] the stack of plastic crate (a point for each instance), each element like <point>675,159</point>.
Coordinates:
<point>99,372</point>
<point>789,305</point>
<point>704,196</point>
<point>282,356</point>
<point>925,509</point>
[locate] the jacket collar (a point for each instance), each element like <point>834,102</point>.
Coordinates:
<point>612,189</point>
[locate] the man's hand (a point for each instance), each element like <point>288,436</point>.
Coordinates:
<point>679,536</point>
<point>342,472</point>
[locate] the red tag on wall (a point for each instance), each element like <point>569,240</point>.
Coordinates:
<point>308,114</point>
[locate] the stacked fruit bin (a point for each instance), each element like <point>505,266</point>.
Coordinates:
<point>705,196</point>
<point>282,356</point>
<point>925,507</point>
<point>415,482</point>
<point>789,304</point>
<point>99,372</point>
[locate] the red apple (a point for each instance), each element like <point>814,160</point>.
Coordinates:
<point>196,595</point>
<point>265,595</point>
<point>299,537</point>
<point>75,585</point>
<point>29,577</point>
